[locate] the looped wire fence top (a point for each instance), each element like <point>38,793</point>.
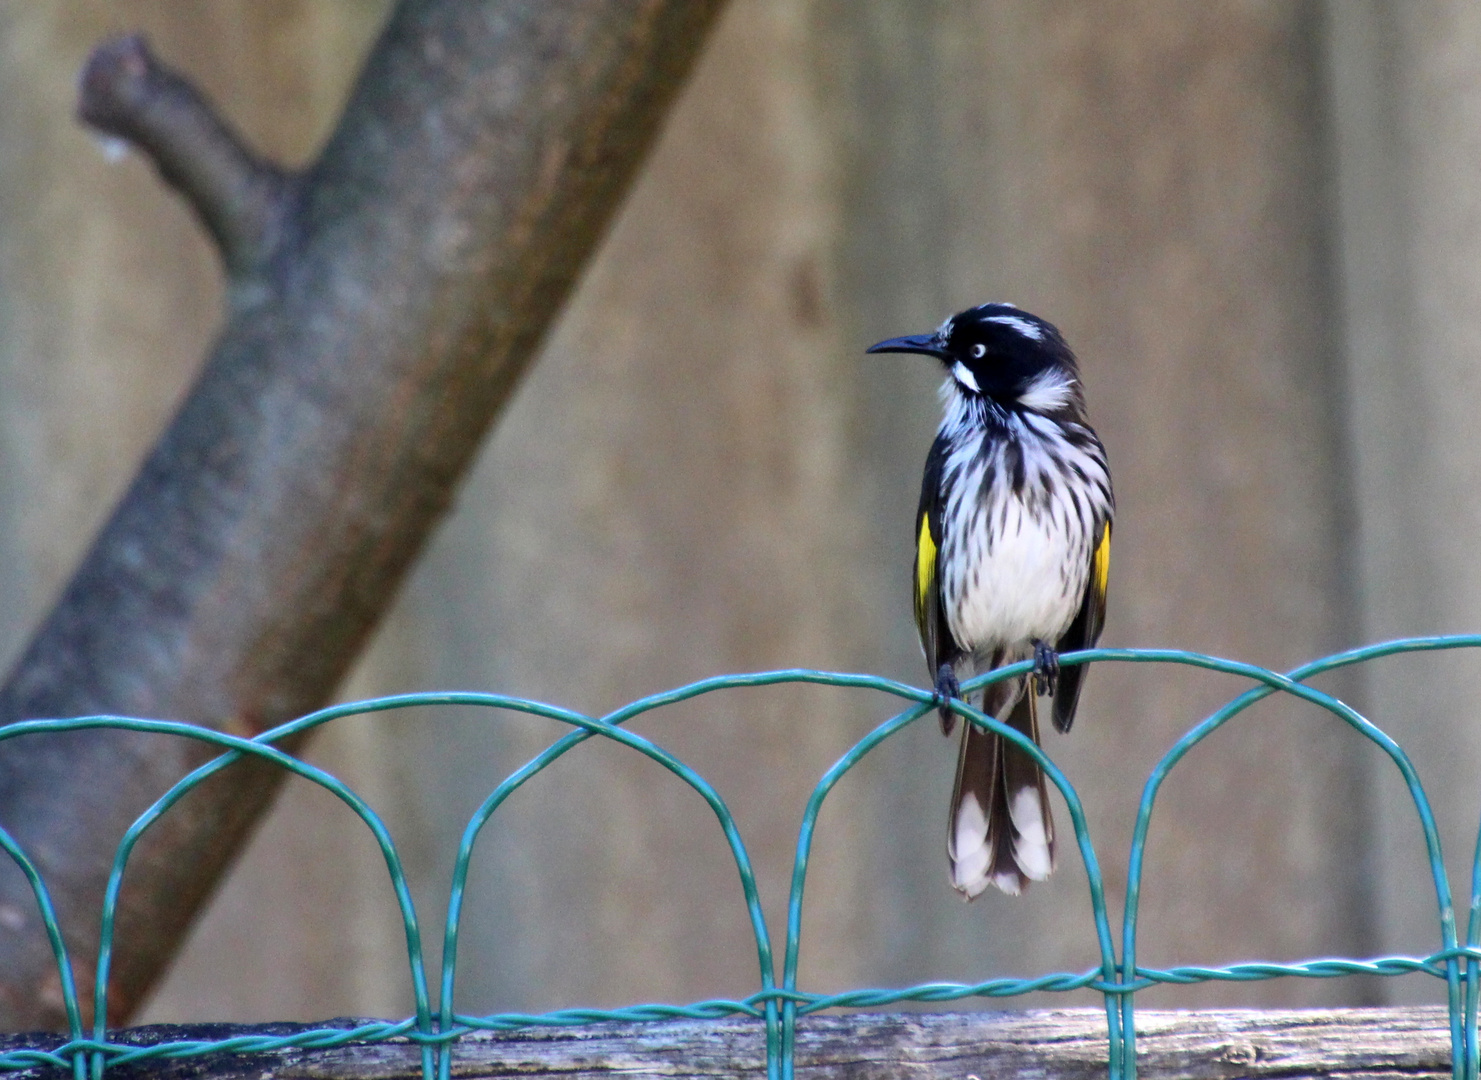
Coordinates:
<point>778,1003</point>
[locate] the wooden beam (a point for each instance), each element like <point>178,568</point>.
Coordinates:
<point>1058,1044</point>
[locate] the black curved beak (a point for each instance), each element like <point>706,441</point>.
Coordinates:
<point>929,344</point>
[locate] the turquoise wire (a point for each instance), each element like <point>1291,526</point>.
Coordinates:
<point>237,746</point>
<point>510,785</point>
<point>1111,979</point>
<point>926,702</point>
<point>1273,682</point>
<point>58,946</point>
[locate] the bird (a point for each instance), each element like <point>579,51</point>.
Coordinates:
<point>1012,556</point>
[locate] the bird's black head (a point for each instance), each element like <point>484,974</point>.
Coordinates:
<point>1002,352</point>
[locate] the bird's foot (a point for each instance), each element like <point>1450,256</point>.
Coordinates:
<point>1046,668</point>
<point>947,687</point>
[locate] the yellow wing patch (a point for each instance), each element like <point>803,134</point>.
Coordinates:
<point>1100,566</point>
<point>925,566</point>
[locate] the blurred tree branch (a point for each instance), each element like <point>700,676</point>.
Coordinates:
<point>382,304</point>
<point>246,204</point>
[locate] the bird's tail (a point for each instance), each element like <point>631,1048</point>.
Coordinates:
<point>1001,832</point>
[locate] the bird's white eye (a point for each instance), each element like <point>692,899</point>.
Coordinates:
<point>978,351</point>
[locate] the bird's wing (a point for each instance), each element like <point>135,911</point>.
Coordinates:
<point>930,613</point>
<point>1084,632</point>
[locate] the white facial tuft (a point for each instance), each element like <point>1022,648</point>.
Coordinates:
<point>1023,326</point>
<point>1047,391</point>
<point>963,374</point>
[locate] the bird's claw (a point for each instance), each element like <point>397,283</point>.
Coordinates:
<point>1046,669</point>
<point>947,687</point>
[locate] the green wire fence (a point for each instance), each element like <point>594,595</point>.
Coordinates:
<point>779,1003</point>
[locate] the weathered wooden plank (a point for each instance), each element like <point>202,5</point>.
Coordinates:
<point>1059,1044</point>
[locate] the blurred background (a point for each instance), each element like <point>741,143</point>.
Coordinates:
<point>1257,221</point>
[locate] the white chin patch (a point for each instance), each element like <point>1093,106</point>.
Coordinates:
<point>963,375</point>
